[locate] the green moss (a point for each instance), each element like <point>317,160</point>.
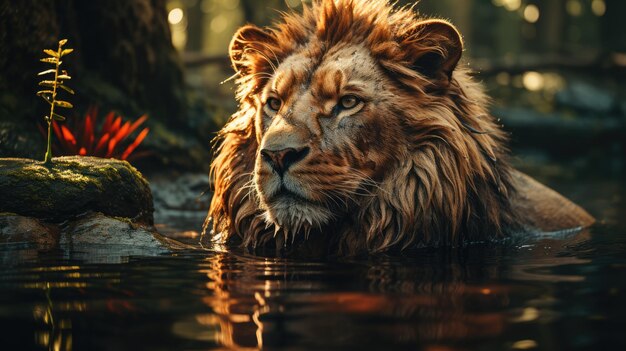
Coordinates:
<point>39,172</point>
<point>73,185</point>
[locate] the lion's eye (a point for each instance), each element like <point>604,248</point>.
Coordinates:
<point>274,104</point>
<point>348,101</point>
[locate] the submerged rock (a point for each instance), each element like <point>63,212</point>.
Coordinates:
<point>97,238</point>
<point>92,238</point>
<point>74,185</point>
<point>19,229</point>
<point>96,228</point>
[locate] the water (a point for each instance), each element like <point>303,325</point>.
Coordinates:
<point>561,294</point>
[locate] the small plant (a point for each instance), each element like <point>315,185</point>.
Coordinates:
<point>51,89</point>
<point>112,139</point>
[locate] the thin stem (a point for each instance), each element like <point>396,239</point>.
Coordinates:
<point>48,156</point>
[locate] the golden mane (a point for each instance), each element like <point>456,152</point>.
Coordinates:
<point>456,186</point>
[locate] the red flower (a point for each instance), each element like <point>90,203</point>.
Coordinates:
<point>112,140</point>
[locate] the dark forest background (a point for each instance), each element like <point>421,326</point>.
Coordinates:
<point>554,67</point>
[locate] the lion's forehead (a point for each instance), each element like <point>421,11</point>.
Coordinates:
<point>324,74</point>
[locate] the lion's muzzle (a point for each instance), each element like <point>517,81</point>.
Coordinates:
<point>281,160</point>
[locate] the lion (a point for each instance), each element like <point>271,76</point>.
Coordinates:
<point>359,129</point>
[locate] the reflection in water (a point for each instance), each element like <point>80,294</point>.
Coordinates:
<point>431,299</point>
<point>55,334</point>
<point>549,294</point>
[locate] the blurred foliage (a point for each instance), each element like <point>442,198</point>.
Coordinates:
<point>492,28</point>
<point>550,65</point>
<point>527,35</point>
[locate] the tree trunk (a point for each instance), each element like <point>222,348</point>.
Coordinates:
<point>123,60</point>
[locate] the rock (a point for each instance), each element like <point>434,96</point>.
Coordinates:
<point>19,229</point>
<point>97,238</point>
<point>586,97</point>
<point>72,186</point>
<point>181,203</point>
<point>182,192</point>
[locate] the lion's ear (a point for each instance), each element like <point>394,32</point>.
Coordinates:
<point>249,48</point>
<point>435,47</point>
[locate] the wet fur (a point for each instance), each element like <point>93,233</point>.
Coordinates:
<point>439,170</point>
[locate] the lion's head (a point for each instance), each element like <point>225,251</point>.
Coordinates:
<point>357,124</point>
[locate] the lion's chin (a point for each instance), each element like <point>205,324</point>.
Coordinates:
<point>296,216</point>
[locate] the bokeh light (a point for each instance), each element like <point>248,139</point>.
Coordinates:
<point>512,5</point>
<point>598,7</point>
<point>526,344</point>
<point>218,24</point>
<point>531,13</point>
<point>175,16</point>
<point>503,78</point>
<point>533,81</point>
<point>574,8</point>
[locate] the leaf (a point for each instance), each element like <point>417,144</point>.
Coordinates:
<point>46,95</point>
<point>47,100</point>
<point>66,88</point>
<point>49,60</point>
<point>116,125</point>
<point>59,135</point>
<point>69,139</point>
<point>123,132</point>
<point>41,92</point>
<point>51,53</point>
<point>63,104</point>
<point>108,121</point>
<point>47,83</point>
<point>58,117</point>
<point>46,72</point>
<point>88,135</point>
<point>64,76</point>
<point>137,123</point>
<point>136,143</point>
<point>66,52</point>
<point>62,42</point>
<point>101,143</point>
<point>66,139</point>
<point>111,147</point>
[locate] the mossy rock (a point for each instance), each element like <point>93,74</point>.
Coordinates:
<point>72,186</point>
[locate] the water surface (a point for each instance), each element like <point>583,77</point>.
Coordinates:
<point>562,294</point>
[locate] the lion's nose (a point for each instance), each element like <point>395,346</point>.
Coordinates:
<point>281,160</point>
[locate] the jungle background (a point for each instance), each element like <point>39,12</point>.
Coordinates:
<point>554,67</point>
